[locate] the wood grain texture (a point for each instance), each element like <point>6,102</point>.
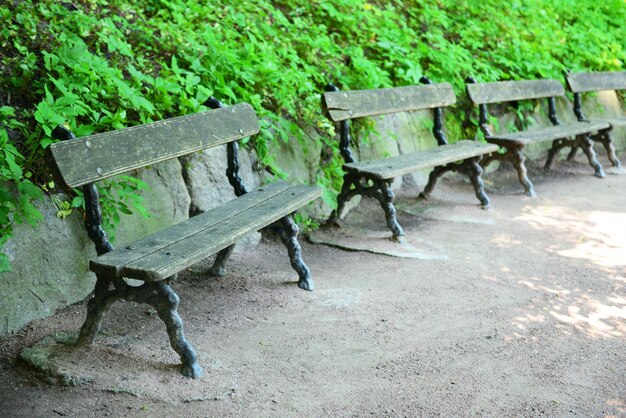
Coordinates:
<point>96,157</point>
<point>549,134</point>
<point>608,80</point>
<point>403,164</point>
<point>342,105</point>
<point>509,91</point>
<point>163,254</point>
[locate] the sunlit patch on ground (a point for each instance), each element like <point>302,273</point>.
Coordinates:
<point>600,237</point>
<point>596,318</point>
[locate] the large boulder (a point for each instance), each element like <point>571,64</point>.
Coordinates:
<point>49,268</point>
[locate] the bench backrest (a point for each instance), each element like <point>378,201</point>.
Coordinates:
<point>96,157</point>
<point>343,105</point>
<point>584,82</point>
<point>511,91</point>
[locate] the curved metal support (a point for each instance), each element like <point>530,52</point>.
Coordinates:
<point>344,197</point>
<point>432,179</point>
<point>344,133</point>
<point>93,212</point>
<point>386,202</point>
<point>585,142</point>
<point>572,153</point>
<point>474,172</point>
<point>578,111</point>
<point>490,158</point>
<point>437,119</point>
<point>552,111</point>
<point>557,146</point>
<point>288,232</point>
<point>93,220</point>
<point>165,301</point>
<point>101,301</point>
<point>604,137</point>
<point>232,171</point>
<point>160,296</point>
<point>518,159</point>
<point>471,168</point>
<point>218,269</point>
<point>483,114</point>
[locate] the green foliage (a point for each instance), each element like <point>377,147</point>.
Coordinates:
<point>17,192</point>
<point>96,65</point>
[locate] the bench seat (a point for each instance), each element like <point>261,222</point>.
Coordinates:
<point>169,251</point>
<point>550,133</point>
<point>389,168</point>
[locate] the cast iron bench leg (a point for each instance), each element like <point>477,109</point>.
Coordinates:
<point>165,301</point>
<point>344,197</point>
<point>288,232</point>
<point>605,138</point>
<point>218,269</point>
<point>432,179</point>
<point>386,202</point>
<point>474,171</point>
<point>102,299</point>
<point>572,153</point>
<point>586,144</point>
<point>160,296</point>
<point>557,146</point>
<point>518,159</point>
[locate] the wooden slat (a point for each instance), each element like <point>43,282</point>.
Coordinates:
<point>551,133</point>
<point>403,164</point>
<point>508,91</point>
<point>96,157</point>
<point>608,80</point>
<point>244,218</point>
<point>342,105</point>
<point>112,263</point>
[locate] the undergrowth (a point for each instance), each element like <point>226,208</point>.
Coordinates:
<point>96,65</point>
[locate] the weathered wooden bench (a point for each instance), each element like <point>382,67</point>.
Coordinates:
<point>373,178</point>
<point>592,82</point>
<point>156,259</point>
<point>575,134</point>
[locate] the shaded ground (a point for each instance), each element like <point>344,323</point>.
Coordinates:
<point>522,313</point>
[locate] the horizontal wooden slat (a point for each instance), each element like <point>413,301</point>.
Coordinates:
<point>549,134</point>
<point>342,105</point>
<point>96,157</point>
<point>608,80</point>
<point>167,252</point>
<point>112,263</point>
<point>509,91</point>
<point>403,164</point>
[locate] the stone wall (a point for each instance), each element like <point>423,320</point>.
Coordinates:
<point>50,262</point>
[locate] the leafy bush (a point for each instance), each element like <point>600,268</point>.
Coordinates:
<point>97,65</point>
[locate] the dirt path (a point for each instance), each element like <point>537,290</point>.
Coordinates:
<point>522,314</point>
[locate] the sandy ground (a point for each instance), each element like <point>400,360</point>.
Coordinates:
<point>515,311</point>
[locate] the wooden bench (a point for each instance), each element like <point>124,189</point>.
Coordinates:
<point>575,134</point>
<point>156,259</point>
<point>373,178</point>
<point>591,82</point>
